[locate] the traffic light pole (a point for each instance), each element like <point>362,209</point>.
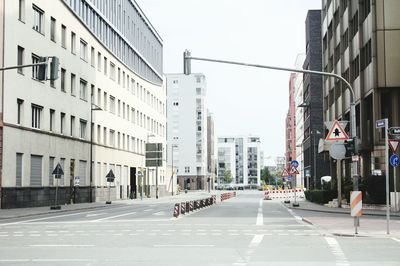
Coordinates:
<point>353,132</point>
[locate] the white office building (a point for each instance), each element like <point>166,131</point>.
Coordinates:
<point>241,156</point>
<point>106,104</point>
<point>187,128</point>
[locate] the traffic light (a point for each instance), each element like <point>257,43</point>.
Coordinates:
<point>42,69</point>
<point>186,63</point>
<point>55,62</point>
<point>351,146</point>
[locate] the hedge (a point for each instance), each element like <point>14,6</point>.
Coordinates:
<point>320,196</point>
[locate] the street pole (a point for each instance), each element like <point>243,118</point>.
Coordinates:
<point>156,182</point>
<point>315,161</point>
<point>387,175</point>
<point>395,189</point>
<point>91,151</point>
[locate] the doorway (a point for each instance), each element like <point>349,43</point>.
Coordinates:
<point>133,191</point>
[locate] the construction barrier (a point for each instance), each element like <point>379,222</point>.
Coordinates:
<point>266,195</point>
<point>183,207</point>
<point>191,206</point>
<point>284,194</point>
<point>176,210</point>
<point>228,195</point>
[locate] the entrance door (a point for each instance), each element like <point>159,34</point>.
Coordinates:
<point>133,191</point>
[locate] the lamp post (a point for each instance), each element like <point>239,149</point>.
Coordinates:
<point>314,133</point>
<point>93,107</point>
<point>172,162</point>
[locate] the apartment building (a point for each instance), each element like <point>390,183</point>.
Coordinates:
<point>96,117</point>
<point>290,152</point>
<point>241,156</point>
<point>360,41</point>
<point>210,150</point>
<point>187,128</point>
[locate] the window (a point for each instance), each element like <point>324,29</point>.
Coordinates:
<point>112,138</point>
<point>92,99</point>
<point>20,58</point>
<point>53,29</point>
<point>112,104</point>
<point>105,101</point>
<point>83,50</point>
<point>35,69</point>
<point>92,55</point>
<point>18,172</point>
<point>73,80</point>
<point>198,91</point>
<point>73,42</point>
<point>354,25</point>
<point>63,72</point>
<point>62,123</point>
<point>119,76</point>
<point>52,116</point>
<point>38,16</point>
<point>21,10</point>
<point>20,109</point>
<point>51,168</point>
<point>105,65</point>
<point>36,171</point>
<point>83,90</point>
<point>175,104</point>
<point>82,134</point>
<point>72,126</point>
<point>63,36</point>
<point>187,169</point>
<point>354,69</point>
<point>366,55</point>
<point>119,108</point>
<point>98,61</point>
<point>112,71</point>
<point>104,135</point>
<point>36,115</point>
<point>98,97</point>
<point>198,79</point>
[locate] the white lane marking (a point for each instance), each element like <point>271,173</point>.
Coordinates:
<point>337,251</point>
<point>294,215</point>
<point>183,246</point>
<point>95,214</point>
<point>396,239</point>
<point>60,245</point>
<point>256,241</point>
<point>260,218</point>
<point>160,213</point>
<point>112,217</point>
<point>147,210</point>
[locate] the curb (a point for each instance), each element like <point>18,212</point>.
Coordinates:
<point>306,221</point>
<point>339,212</point>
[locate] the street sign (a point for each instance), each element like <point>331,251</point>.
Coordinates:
<point>308,173</point>
<point>284,173</point>
<point>338,151</point>
<point>394,130</point>
<point>337,132</point>
<point>393,144</point>
<point>76,181</point>
<point>58,171</point>
<point>289,178</point>
<point>294,163</point>
<point>294,171</point>
<point>394,160</point>
<point>110,176</point>
<point>380,123</point>
<point>342,123</point>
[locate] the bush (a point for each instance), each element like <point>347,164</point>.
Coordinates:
<point>375,189</point>
<point>320,196</point>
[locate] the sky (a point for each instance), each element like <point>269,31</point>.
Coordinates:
<point>243,100</point>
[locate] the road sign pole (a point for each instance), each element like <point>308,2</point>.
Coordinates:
<point>56,192</point>
<point>109,193</point>
<point>387,176</point>
<point>395,189</point>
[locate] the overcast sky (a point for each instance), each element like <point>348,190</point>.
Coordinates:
<point>270,32</point>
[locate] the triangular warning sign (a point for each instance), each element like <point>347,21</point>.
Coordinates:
<point>337,132</point>
<point>294,171</point>
<point>393,144</point>
<point>284,173</point>
<point>58,170</point>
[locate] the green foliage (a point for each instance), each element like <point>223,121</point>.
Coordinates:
<point>227,176</point>
<point>320,196</point>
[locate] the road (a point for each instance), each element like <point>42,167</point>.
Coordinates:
<point>245,230</point>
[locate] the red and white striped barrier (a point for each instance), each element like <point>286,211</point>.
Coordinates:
<point>227,195</point>
<point>266,195</point>
<point>285,194</point>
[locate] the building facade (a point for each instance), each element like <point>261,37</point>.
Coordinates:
<point>210,151</point>
<point>360,41</point>
<point>187,128</point>
<point>96,117</point>
<point>242,157</point>
<point>290,152</point>
<point>316,165</point>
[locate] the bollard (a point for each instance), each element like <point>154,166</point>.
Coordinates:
<point>187,207</point>
<point>183,210</point>
<point>214,199</point>
<point>211,200</point>
<point>191,206</point>
<point>176,210</point>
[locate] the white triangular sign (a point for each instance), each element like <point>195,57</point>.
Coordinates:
<point>294,171</point>
<point>394,144</point>
<point>284,173</point>
<point>337,132</point>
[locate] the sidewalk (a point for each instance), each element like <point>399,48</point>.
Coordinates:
<point>310,206</point>
<point>337,221</point>
<point>26,212</point>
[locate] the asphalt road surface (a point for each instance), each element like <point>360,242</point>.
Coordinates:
<point>245,230</point>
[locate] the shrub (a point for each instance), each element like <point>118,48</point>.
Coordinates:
<point>320,196</point>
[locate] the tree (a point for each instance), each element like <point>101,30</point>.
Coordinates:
<point>227,176</point>
<point>267,176</point>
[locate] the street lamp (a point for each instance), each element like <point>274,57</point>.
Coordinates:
<point>172,161</point>
<point>93,107</point>
<point>314,133</point>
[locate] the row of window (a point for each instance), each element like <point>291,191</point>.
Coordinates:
<point>104,136</point>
